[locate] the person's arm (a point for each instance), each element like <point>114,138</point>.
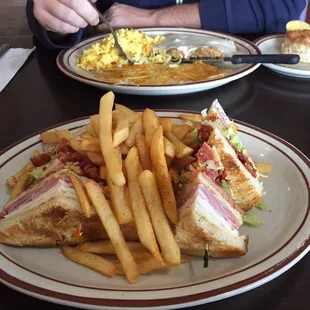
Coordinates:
<point>250,16</point>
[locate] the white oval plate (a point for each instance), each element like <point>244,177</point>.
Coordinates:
<point>271,44</point>
<point>274,247</point>
<point>66,62</point>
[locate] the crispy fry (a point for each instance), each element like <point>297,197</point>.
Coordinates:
<point>96,158</point>
<point>180,131</point>
<point>121,131</point>
<point>183,162</point>
<point>122,108</point>
<point>54,137</point>
<point>22,181</point>
<point>166,123</point>
<point>107,247</point>
<point>191,117</point>
<point>119,202</point>
<point>162,176</point>
<point>113,164</point>
<point>12,180</point>
<point>81,192</point>
<point>132,118</point>
<point>174,175</point>
<point>149,264</point>
<point>164,235</point>
<point>124,170</point>
<point>169,148</point>
<point>181,150</point>
<point>144,152</point>
<point>139,209</point>
<point>91,145</point>
<point>95,122</point>
<point>90,260</point>
<point>103,172</point>
<point>76,145</point>
<point>134,130</point>
<point>263,168</point>
<point>150,124</point>
<point>113,229</point>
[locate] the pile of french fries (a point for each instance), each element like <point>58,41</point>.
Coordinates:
<point>139,157</point>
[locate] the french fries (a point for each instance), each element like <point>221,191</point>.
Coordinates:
<point>121,131</point>
<point>144,152</point>
<point>76,145</point>
<point>119,202</point>
<point>81,193</point>
<point>112,228</point>
<point>135,129</point>
<point>181,150</point>
<point>191,139</point>
<point>54,137</point>
<point>95,122</point>
<point>139,209</point>
<point>174,176</point>
<point>22,181</point>
<point>150,124</point>
<point>107,247</point>
<point>169,148</point>
<point>114,166</point>
<point>180,131</point>
<point>164,235</point>
<point>193,117</point>
<point>263,168</point>
<point>12,180</point>
<point>103,172</point>
<point>91,145</point>
<point>124,109</point>
<point>90,260</point>
<point>166,123</point>
<point>96,158</point>
<point>162,175</point>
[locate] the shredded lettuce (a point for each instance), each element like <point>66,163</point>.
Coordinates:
<point>196,135</point>
<point>232,135</point>
<point>252,220</point>
<point>224,185</point>
<point>261,205</point>
<point>206,260</point>
<point>38,173</point>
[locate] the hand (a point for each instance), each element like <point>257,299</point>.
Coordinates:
<point>126,16</point>
<point>65,16</point>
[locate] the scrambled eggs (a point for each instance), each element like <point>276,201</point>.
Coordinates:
<point>137,45</point>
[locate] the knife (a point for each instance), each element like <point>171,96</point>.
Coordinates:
<point>290,59</point>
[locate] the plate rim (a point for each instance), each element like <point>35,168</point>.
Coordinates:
<point>66,70</point>
<point>231,289</point>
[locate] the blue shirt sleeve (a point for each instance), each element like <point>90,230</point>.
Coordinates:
<point>250,16</point>
<point>47,38</point>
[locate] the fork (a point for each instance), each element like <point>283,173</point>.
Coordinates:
<point>104,21</point>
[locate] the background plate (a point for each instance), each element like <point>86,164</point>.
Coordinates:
<point>273,248</point>
<point>66,62</point>
<point>271,44</point>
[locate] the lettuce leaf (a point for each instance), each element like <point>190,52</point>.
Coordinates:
<point>261,205</point>
<point>252,220</point>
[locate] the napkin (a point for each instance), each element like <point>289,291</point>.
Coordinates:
<point>11,62</point>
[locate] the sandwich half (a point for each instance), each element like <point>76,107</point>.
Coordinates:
<point>49,214</point>
<point>207,211</point>
<point>242,176</point>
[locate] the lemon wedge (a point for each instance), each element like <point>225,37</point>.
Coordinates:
<point>297,25</point>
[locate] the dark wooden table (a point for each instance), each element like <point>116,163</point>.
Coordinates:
<point>40,96</point>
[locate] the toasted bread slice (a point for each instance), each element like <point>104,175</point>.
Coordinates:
<point>55,217</point>
<point>246,190</point>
